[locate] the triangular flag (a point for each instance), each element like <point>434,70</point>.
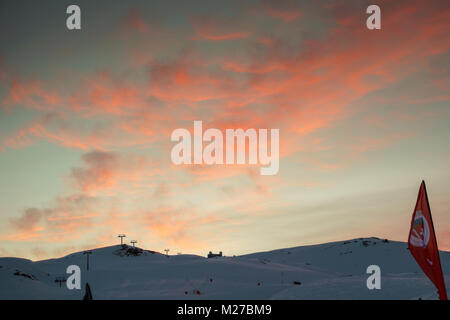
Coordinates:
<point>422,242</point>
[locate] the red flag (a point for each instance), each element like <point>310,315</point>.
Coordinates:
<point>422,242</point>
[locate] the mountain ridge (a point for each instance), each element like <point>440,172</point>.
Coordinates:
<point>333,270</point>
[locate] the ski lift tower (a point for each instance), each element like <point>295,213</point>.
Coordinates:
<point>121,236</point>
<point>60,280</point>
<point>87,253</point>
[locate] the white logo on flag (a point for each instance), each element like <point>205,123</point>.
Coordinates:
<point>420,232</point>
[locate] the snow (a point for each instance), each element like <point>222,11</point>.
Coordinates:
<point>327,271</point>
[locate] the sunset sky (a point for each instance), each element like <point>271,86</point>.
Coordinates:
<point>86,117</point>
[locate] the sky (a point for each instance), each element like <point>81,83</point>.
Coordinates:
<point>86,118</point>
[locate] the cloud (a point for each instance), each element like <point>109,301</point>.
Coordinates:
<point>100,170</point>
<point>183,228</point>
<point>337,93</point>
<point>134,20</point>
<point>111,173</point>
<point>55,131</point>
<point>31,94</point>
<point>303,85</point>
<point>67,219</point>
<point>29,221</point>
<point>70,216</point>
<point>286,10</point>
<point>216,28</point>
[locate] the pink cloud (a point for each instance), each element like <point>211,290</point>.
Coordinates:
<point>31,94</point>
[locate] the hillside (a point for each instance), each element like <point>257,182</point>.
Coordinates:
<point>334,270</point>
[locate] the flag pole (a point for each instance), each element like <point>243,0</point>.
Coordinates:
<point>442,295</point>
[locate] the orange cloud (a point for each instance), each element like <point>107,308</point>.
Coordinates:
<point>66,220</point>
<point>104,171</point>
<point>31,94</point>
<point>179,227</point>
<point>306,88</point>
<point>100,171</point>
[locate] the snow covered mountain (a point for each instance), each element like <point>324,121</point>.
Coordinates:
<point>334,270</point>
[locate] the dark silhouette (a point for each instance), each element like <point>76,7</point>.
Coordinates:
<point>121,236</point>
<point>88,293</point>
<point>87,253</point>
<point>60,280</point>
<point>213,255</point>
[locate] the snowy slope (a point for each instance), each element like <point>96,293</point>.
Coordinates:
<point>327,271</point>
